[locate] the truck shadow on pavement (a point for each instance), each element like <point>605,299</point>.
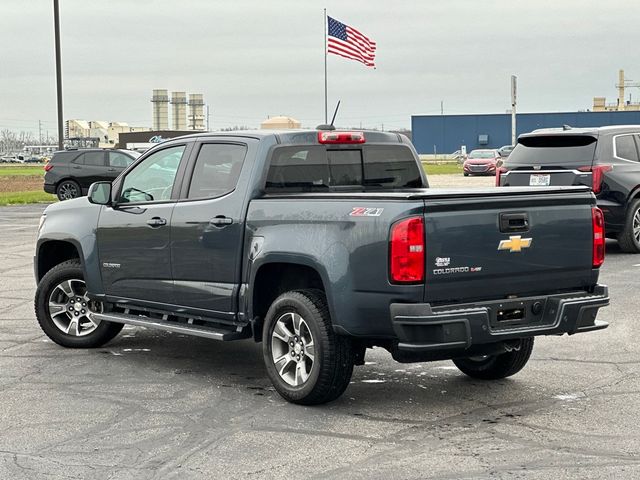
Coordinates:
<point>236,371</point>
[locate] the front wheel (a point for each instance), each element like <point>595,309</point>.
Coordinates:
<point>65,312</point>
<point>306,361</point>
<point>629,239</point>
<point>494,367</point>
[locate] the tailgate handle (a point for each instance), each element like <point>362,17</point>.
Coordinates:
<point>514,222</point>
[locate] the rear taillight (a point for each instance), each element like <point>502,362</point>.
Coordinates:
<point>48,167</point>
<point>598,236</point>
<point>597,175</point>
<point>406,252</point>
<point>500,171</point>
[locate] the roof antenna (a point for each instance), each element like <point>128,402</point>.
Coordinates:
<point>333,119</point>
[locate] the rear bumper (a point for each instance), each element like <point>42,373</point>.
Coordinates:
<point>421,328</point>
<point>49,188</point>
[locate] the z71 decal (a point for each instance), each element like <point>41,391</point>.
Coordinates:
<point>366,212</point>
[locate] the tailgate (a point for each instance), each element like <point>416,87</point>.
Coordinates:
<point>550,160</point>
<point>536,241</point>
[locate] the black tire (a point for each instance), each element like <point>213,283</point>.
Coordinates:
<point>333,361</point>
<point>68,189</point>
<point>494,367</point>
<point>627,240</point>
<point>48,289</point>
<point>465,174</point>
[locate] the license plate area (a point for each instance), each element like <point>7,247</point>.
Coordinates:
<point>517,313</point>
<point>539,180</point>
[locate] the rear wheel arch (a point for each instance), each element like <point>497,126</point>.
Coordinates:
<point>54,252</point>
<point>634,195</point>
<point>275,278</point>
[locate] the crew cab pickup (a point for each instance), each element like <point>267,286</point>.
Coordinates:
<point>320,244</point>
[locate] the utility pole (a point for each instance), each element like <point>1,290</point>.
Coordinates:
<point>441,107</point>
<point>208,129</point>
<point>40,132</point>
<point>514,85</point>
<point>56,29</point>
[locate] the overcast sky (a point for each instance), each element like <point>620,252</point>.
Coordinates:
<point>252,58</point>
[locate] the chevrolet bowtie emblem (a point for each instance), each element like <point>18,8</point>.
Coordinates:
<point>515,243</point>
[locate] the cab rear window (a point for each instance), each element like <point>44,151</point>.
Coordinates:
<point>553,150</point>
<point>316,168</point>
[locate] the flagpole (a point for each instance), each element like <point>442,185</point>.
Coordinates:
<point>325,66</point>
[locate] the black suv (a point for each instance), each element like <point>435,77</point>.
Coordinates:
<point>70,172</point>
<point>606,158</point>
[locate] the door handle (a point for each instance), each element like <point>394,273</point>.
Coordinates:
<point>156,222</point>
<point>220,221</point>
<point>112,170</point>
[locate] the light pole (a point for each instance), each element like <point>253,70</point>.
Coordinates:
<point>56,29</point>
<point>514,87</point>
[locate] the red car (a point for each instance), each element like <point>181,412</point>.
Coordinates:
<point>481,162</point>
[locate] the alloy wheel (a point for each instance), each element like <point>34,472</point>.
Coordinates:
<point>71,310</point>
<point>67,191</point>
<point>292,349</point>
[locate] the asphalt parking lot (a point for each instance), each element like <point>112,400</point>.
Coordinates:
<point>153,405</point>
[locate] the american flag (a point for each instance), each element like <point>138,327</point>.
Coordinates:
<point>349,43</point>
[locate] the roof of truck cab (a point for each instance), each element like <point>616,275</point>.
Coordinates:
<point>296,136</point>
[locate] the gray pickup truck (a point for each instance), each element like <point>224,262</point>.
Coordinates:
<point>320,244</point>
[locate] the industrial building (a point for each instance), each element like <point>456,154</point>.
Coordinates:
<point>280,123</point>
<point>600,103</point>
<point>96,133</point>
<point>443,134</point>
<point>193,119</point>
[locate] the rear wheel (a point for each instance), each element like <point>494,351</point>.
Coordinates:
<point>306,361</point>
<point>65,312</point>
<point>629,239</point>
<point>68,189</point>
<point>494,367</point>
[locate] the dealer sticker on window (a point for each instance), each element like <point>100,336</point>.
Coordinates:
<point>538,180</point>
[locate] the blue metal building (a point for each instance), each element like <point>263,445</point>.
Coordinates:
<point>446,133</point>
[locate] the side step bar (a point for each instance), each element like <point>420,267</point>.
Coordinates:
<point>186,329</point>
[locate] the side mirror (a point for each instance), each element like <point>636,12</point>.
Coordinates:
<point>499,163</point>
<point>100,193</point>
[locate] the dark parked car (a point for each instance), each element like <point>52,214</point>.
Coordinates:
<point>320,244</point>
<point>607,159</point>
<point>481,162</point>
<point>70,172</point>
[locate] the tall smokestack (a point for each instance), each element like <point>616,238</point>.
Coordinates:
<point>196,111</point>
<point>160,101</point>
<point>179,110</point>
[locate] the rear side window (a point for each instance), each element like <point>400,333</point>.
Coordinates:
<point>217,170</point>
<point>64,157</point>
<point>553,150</point>
<point>91,158</point>
<point>626,148</point>
<point>391,167</point>
<point>318,169</point>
